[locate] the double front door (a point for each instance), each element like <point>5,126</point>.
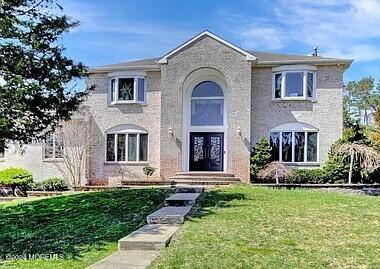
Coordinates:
<point>206,151</point>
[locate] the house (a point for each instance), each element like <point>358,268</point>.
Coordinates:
<point>201,107</point>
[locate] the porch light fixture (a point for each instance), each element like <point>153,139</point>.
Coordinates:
<point>170,131</point>
<point>238,131</point>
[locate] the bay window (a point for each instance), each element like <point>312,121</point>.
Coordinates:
<point>294,143</point>
<point>127,147</point>
<point>294,83</point>
<point>128,89</point>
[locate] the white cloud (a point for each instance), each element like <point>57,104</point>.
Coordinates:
<point>258,36</point>
<point>340,28</point>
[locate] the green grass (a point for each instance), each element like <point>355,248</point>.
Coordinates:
<point>248,227</point>
<point>82,228</point>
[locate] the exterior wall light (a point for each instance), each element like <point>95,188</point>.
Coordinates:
<point>238,131</point>
<point>170,131</point>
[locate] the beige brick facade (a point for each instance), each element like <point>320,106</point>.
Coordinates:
<point>248,104</point>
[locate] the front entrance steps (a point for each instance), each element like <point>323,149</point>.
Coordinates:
<point>153,237</point>
<point>205,178</point>
<point>141,247</point>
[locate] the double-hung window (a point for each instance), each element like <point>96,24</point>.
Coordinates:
<point>53,147</point>
<point>127,147</point>
<point>294,145</point>
<point>294,83</point>
<point>127,89</point>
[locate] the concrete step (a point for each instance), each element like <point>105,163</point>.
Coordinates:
<point>205,182</point>
<point>207,174</point>
<point>126,259</point>
<point>149,237</point>
<point>147,182</point>
<point>169,215</point>
<point>188,189</point>
<point>203,178</point>
<point>182,199</point>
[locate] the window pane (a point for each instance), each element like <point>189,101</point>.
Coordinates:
<point>132,147</point>
<point>299,146</point>
<point>121,147</point>
<point>294,84</point>
<point>275,144</point>
<point>286,146</point>
<point>113,88</point>
<point>310,84</point>
<point>278,82</point>
<point>312,146</point>
<point>110,148</point>
<point>58,146</point>
<point>2,149</point>
<point>49,147</point>
<point>126,91</point>
<point>207,89</point>
<point>141,90</point>
<point>206,112</point>
<point>143,147</point>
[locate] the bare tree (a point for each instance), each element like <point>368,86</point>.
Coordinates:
<point>77,139</point>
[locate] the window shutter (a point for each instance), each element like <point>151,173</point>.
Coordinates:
<point>141,90</point>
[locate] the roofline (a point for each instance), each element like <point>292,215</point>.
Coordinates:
<point>148,67</point>
<point>249,56</point>
<point>345,62</point>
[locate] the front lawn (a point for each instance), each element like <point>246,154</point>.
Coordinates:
<point>80,228</point>
<point>250,227</point>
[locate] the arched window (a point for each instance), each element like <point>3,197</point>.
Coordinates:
<point>207,104</point>
<point>294,143</point>
<point>127,143</point>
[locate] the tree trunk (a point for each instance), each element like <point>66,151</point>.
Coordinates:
<point>351,167</point>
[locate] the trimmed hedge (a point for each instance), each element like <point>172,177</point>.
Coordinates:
<point>13,177</point>
<point>49,184</point>
<point>303,176</point>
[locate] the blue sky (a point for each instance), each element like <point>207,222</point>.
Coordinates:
<point>121,30</point>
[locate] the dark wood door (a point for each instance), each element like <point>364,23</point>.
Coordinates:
<point>206,151</point>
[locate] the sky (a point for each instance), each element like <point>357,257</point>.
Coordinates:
<point>113,31</point>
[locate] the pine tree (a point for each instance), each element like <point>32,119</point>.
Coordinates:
<point>35,75</point>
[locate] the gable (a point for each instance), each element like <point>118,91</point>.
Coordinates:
<point>249,56</point>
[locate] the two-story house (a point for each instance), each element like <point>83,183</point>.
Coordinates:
<point>202,106</point>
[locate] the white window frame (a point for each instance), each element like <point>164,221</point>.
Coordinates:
<point>305,161</point>
<point>54,137</point>
<point>283,70</point>
<point>135,89</point>
<point>126,147</point>
<point>210,98</point>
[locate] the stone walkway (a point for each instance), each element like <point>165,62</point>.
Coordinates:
<point>140,248</point>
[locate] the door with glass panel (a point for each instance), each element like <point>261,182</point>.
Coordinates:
<point>206,151</point>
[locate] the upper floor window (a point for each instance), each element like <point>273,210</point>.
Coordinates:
<point>127,89</point>
<point>207,104</point>
<point>294,143</point>
<point>53,147</point>
<point>294,82</point>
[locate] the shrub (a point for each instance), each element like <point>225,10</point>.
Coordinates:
<point>16,178</point>
<point>274,172</point>
<point>303,176</point>
<point>50,184</point>
<point>335,171</point>
<point>148,171</point>
<point>261,155</point>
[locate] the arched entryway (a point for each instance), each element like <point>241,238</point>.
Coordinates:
<point>205,122</point>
